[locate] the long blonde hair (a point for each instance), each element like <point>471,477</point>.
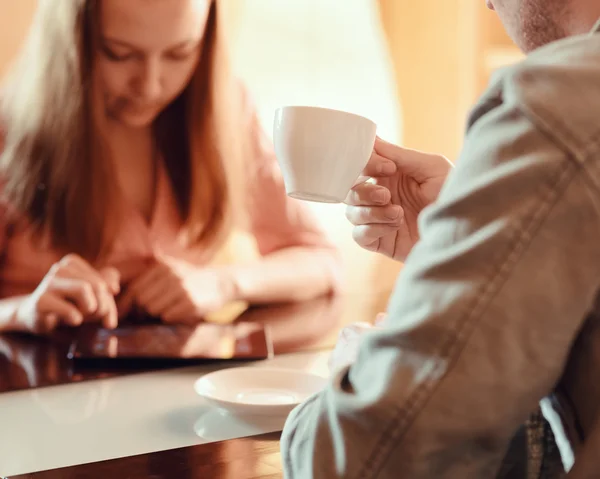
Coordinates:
<point>54,164</point>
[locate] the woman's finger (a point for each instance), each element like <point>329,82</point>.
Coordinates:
<point>153,275</point>
<point>77,266</point>
<point>157,301</point>
<point>182,311</point>
<point>110,319</point>
<point>107,308</point>
<point>78,291</point>
<point>53,308</point>
<point>99,287</point>
<point>112,277</point>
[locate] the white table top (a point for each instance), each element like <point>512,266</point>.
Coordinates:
<point>78,423</point>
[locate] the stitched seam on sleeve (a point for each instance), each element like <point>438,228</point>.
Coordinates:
<point>562,136</point>
<point>455,340</point>
<point>294,441</point>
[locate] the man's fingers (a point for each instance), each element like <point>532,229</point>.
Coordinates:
<point>345,351</point>
<point>368,236</point>
<point>420,165</point>
<point>365,194</point>
<point>365,215</point>
<point>399,156</point>
<point>378,166</point>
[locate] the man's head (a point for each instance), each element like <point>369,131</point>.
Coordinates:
<point>534,23</point>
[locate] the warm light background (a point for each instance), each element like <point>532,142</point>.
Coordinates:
<point>413,66</point>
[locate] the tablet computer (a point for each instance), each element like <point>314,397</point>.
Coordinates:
<point>162,344</point>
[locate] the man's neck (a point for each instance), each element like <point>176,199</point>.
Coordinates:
<point>583,15</point>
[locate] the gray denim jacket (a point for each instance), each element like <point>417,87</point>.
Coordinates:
<point>497,306</point>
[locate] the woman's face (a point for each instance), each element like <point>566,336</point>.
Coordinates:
<point>147,53</point>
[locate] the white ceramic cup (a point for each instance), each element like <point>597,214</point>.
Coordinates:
<point>321,152</point>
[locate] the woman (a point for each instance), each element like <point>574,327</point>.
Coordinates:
<point>130,158</point>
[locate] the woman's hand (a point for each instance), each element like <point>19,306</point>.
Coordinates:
<point>385,209</point>
<point>70,293</point>
<point>176,291</point>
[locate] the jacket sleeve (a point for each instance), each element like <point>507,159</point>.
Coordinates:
<point>481,320</point>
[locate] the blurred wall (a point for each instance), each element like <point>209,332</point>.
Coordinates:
<point>15,16</point>
<point>329,53</point>
<point>432,44</point>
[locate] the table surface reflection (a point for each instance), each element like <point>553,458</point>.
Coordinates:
<point>152,423</point>
<point>30,362</point>
<point>247,458</point>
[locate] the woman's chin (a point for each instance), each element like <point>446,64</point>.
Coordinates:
<point>137,120</point>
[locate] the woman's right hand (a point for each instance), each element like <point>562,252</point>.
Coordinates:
<point>71,292</point>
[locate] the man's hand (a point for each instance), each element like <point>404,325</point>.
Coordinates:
<point>346,348</point>
<point>385,204</point>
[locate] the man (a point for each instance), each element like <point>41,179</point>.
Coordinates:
<point>496,307</point>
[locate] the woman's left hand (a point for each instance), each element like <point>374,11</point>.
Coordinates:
<point>176,291</point>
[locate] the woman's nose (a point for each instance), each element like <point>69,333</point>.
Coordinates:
<point>150,80</point>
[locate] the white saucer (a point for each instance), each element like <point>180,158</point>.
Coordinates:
<point>258,391</point>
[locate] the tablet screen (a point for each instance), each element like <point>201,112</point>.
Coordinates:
<point>155,341</point>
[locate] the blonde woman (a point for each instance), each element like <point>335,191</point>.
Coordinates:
<point>129,157</point>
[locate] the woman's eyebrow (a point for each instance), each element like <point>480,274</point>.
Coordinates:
<point>125,44</point>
